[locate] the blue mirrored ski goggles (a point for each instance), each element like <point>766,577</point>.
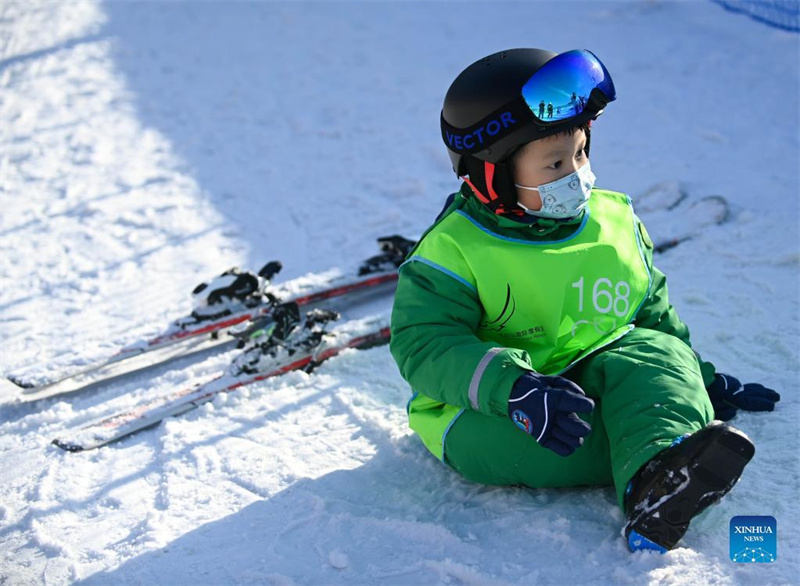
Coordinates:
<point>561,89</point>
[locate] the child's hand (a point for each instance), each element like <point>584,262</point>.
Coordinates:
<point>728,395</point>
<point>546,406</point>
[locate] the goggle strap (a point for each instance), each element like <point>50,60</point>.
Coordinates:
<point>493,202</point>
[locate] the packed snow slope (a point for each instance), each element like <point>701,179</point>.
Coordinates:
<point>145,147</point>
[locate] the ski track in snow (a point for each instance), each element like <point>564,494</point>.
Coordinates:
<point>149,146</point>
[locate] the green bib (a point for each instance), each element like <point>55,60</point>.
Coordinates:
<point>557,300</point>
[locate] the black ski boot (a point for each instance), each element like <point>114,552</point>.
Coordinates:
<point>682,481</point>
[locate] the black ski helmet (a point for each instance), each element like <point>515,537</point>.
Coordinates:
<point>485,119</point>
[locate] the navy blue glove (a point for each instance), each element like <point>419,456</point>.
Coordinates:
<point>728,395</point>
<point>545,407</point>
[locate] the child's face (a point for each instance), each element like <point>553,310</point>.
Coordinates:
<point>546,160</point>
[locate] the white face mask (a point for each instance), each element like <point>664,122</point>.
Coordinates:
<point>565,197</point>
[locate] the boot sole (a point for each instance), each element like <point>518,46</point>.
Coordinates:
<point>712,471</point>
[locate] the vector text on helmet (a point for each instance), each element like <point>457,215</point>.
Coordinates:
<point>481,135</point>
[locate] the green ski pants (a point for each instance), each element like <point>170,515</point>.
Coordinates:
<point>647,389</point>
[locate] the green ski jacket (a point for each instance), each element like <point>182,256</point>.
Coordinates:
<point>445,337</point>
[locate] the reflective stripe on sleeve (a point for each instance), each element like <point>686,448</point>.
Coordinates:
<point>475,383</point>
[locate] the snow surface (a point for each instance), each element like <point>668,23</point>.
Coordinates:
<point>148,146</point>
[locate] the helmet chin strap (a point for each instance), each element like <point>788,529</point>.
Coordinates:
<point>488,173</point>
<point>494,202</point>
<point>482,198</point>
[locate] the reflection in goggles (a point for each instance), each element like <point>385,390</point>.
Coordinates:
<point>562,87</point>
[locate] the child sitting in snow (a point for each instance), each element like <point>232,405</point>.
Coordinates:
<point>532,325</point>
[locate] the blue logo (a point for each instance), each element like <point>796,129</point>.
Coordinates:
<point>476,138</point>
<point>754,540</point>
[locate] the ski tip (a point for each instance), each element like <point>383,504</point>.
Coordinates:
<point>67,446</point>
<point>22,384</point>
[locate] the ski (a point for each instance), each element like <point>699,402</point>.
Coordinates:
<point>230,300</point>
<point>273,347</point>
